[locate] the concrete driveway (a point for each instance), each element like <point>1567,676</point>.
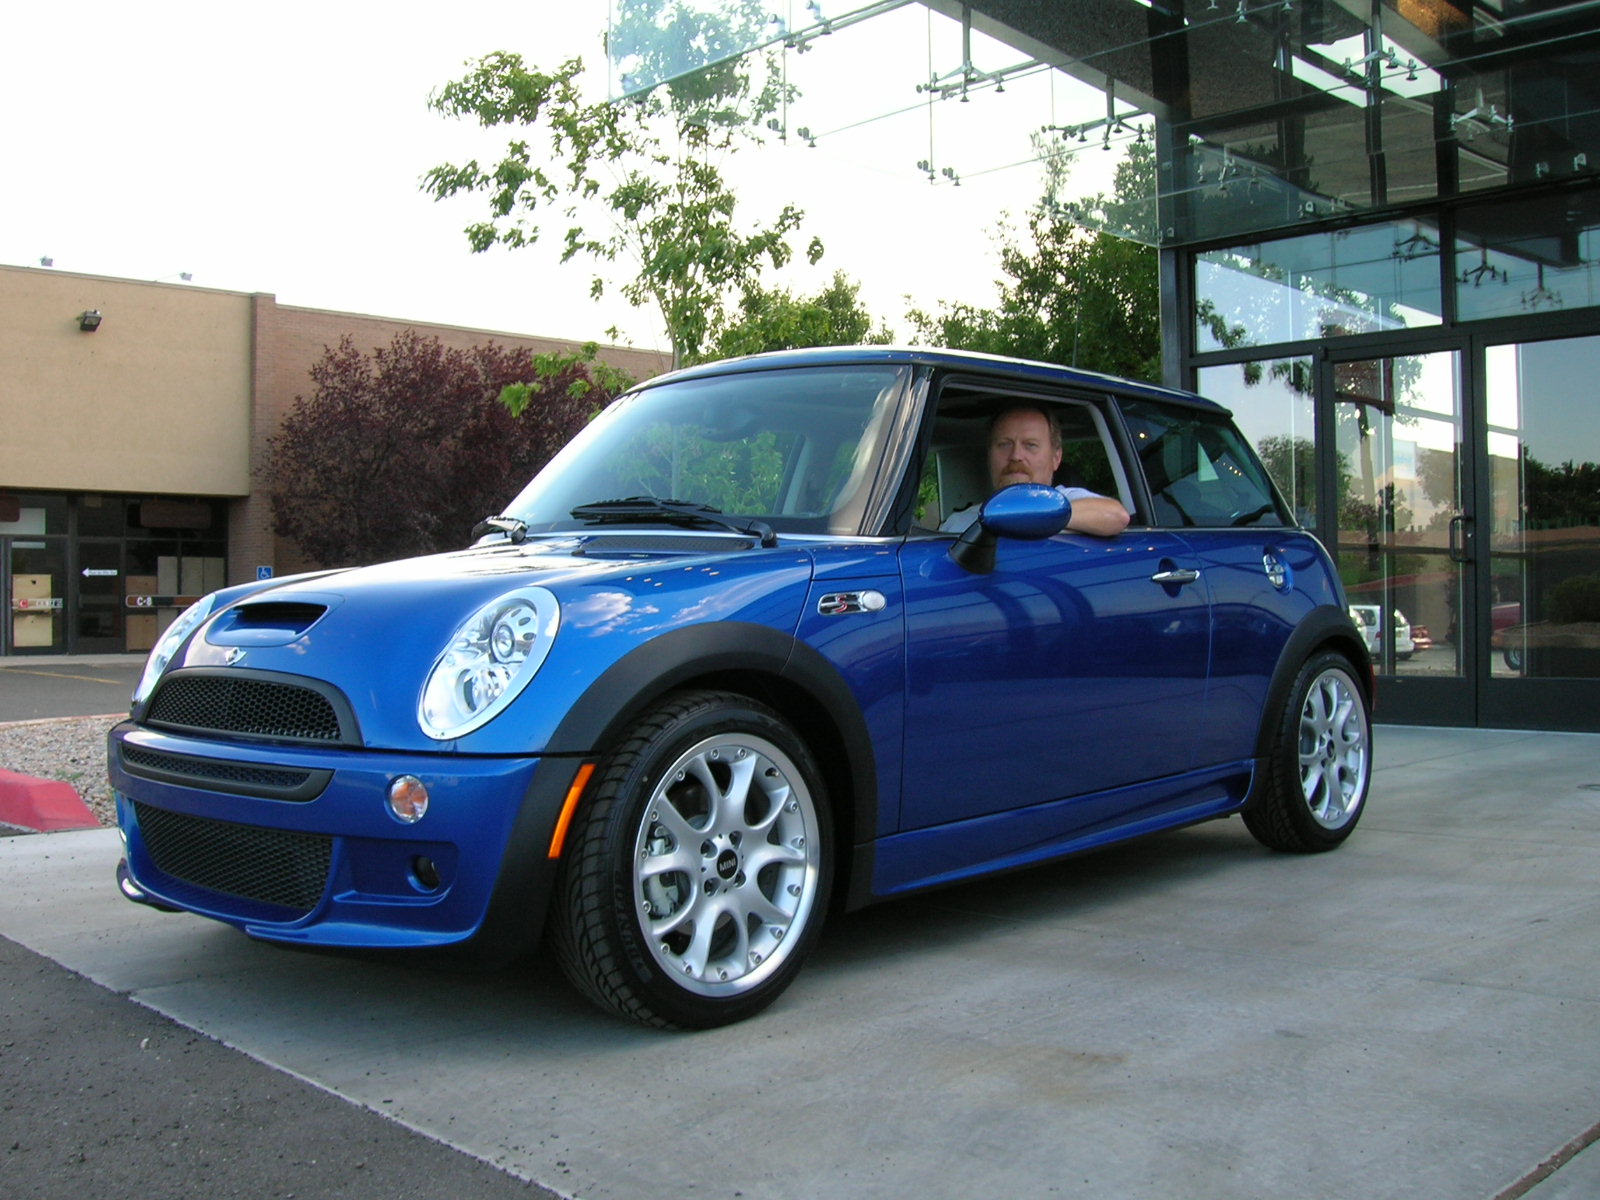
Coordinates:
<point>1416,1015</point>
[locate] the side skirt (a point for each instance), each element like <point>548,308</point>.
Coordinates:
<point>1005,841</point>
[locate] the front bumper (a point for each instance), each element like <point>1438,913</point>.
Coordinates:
<point>234,831</point>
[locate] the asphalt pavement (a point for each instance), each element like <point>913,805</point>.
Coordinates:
<point>101,1096</point>
<point>34,688</point>
<point>1414,1015</point>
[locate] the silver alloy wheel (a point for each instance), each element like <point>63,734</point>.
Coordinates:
<point>1334,757</point>
<point>726,864</point>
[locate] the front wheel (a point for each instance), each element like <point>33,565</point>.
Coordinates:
<point>698,869</point>
<point>1314,776</point>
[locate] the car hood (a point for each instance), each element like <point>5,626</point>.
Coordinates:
<point>375,633</point>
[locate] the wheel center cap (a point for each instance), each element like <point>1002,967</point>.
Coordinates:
<point>727,864</point>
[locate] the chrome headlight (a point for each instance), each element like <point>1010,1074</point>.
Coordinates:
<point>188,621</point>
<point>488,661</point>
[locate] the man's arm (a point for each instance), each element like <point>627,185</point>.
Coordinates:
<point>1099,515</point>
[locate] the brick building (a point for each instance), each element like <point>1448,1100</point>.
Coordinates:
<point>133,416</point>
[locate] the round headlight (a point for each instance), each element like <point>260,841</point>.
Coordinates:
<point>488,660</point>
<point>188,621</point>
<point>514,634</point>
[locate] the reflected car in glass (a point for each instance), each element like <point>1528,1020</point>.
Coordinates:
<point>1369,621</point>
<point>716,672</point>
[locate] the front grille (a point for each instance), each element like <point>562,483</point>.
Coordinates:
<point>270,866</point>
<point>248,779</point>
<point>238,704</point>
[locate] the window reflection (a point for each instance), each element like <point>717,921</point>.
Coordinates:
<point>1544,520</point>
<point>1272,405</point>
<point>1326,285</point>
<point>1531,257</point>
<point>1398,483</point>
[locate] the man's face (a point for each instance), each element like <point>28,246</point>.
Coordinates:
<point>1020,449</point>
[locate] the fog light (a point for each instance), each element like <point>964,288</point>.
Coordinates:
<point>408,799</point>
<point>426,872</point>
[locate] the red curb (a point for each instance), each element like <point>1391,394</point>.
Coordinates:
<point>42,805</point>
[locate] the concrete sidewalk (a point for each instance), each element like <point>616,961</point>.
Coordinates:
<point>1415,1015</point>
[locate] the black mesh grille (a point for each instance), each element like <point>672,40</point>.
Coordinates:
<point>232,704</point>
<point>289,870</point>
<point>277,783</point>
<point>210,769</point>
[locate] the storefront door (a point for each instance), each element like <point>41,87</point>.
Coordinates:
<point>99,597</point>
<point>33,589</point>
<point>1539,616</point>
<point>1397,501</point>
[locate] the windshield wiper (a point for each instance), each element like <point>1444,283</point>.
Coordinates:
<point>678,512</point>
<point>513,527</point>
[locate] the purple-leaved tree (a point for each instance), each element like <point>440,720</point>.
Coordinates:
<point>403,450</point>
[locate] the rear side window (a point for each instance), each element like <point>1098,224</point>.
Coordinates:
<point>1200,469</point>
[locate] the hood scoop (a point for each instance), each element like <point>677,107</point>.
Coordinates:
<point>265,622</point>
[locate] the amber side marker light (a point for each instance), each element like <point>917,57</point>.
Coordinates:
<point>408,799</point>
<point>574,793</point>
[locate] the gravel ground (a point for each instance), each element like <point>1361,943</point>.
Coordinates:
<point>72,749</point>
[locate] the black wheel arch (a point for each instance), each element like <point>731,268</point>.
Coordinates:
<point>1326,628</point>
<point>765,664</point>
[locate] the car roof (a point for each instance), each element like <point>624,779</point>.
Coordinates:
<point>969,361</point>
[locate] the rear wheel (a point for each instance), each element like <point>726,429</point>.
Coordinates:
<point>1315,774</point>
<point>698,868</point>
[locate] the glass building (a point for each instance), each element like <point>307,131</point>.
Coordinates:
<point>1377,225</point>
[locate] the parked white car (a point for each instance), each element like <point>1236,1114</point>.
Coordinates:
<point>1368,619</point>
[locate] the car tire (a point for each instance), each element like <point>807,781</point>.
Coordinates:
<point>1513,658</point>
<point>1313,779</point>
<point>698,869</point>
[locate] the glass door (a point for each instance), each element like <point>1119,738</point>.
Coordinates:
<point>1540,620</point>
<point>33,590</point>
<point>99,599</point>
<point>1394,496</point>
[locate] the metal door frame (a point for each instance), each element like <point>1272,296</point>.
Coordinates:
<point>1412,699</point>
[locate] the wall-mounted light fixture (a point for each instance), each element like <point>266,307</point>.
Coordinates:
<point>47,261</point>
<point>89,321</point>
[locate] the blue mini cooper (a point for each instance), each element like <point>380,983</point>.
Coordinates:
<point>717,670</point>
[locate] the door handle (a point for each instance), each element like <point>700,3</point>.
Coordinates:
<point>1175,576</point>
<point>1460,539</point>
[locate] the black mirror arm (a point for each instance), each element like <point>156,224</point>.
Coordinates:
<point>974,550</point>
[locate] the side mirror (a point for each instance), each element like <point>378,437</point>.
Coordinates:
<point>1030,511</point>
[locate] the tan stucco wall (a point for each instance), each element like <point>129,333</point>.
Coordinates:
<point>158,399</point>
<point>180,389</point>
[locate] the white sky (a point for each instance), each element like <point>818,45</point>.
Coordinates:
<point>279,149</point>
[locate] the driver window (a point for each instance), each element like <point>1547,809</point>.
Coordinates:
<point>955,473</point>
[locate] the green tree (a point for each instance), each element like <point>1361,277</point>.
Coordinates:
<point>1560,496</point>
<point>637,185</point>
<point>777,319</point>
<point>1072,293</point>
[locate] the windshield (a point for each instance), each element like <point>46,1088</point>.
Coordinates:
<point>796,449</point>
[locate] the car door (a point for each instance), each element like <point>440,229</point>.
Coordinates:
<point>1078,664</point>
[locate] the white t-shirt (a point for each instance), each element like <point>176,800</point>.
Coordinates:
<point>962,518</point>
